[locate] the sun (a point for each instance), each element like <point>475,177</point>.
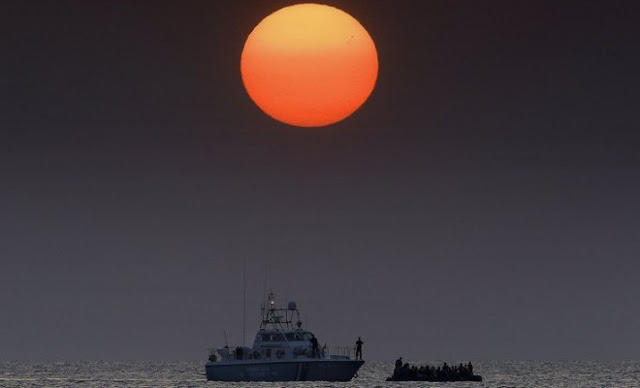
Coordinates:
<point>309,65</point>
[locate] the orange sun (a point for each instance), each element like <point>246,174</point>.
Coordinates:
<point>309,65</point>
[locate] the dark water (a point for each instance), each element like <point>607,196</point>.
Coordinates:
<point>191,374</point>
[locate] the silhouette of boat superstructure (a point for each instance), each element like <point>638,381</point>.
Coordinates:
<point>281,351</point>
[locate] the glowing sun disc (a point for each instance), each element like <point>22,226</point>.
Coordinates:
<point>309,65</point>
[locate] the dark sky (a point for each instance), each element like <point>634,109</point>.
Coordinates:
<point>483,204</point>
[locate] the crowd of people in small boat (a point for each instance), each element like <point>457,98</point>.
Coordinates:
<point>445,372</point>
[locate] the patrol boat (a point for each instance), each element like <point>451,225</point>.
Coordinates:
<point>281,351</point>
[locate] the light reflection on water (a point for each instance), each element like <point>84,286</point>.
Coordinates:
<point>496,374</point>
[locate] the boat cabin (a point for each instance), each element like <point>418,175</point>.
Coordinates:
<point>279,338</point>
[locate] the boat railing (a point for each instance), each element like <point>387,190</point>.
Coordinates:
<point>229,354</point>
<point>337,352</point>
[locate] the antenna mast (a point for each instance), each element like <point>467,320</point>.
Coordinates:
<point>244,299</point>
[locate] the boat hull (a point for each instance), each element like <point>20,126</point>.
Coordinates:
<point>307,370</point>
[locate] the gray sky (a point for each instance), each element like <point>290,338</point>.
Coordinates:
<point>483,204</point>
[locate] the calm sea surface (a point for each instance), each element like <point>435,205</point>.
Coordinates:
<point>191,374</point>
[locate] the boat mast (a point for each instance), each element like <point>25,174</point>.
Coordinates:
<point>244,299</point>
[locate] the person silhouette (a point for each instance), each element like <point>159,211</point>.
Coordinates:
<point>359,349</point>
<point>314,346</point>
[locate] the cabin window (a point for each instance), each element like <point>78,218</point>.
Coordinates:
<point>298,336</point>
<point>273,337</point>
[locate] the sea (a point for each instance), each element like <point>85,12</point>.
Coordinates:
<point>496,374</point>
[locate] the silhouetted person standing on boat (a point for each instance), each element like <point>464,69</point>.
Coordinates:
<point>359,349</point>
<point>314,346</point>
